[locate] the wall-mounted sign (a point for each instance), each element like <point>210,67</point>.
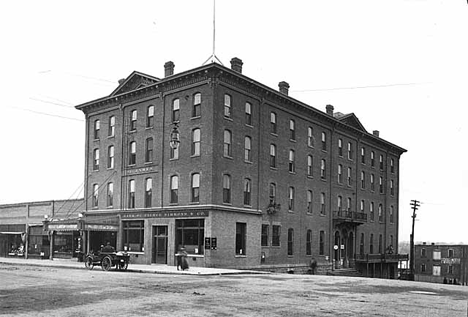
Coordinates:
<point>214,244</point>
<point>166,214</point>
<point>207,243</point>
<point>141,170</point>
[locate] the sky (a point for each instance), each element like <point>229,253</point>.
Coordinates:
<point>400,65</point>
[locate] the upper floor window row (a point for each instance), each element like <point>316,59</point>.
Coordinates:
<point>228,110</point>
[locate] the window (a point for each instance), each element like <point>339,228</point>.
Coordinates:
<point>392,166</point>
<point>241,234</point>
<point>272,192</point>
<point>361,245</point>
<point>340,174</point>
<point>309,242</point>
<point>273,123</point>
<point>148,192</point>
<point>272,155</point>
<point>450,253</point>
<point>362,206</point>
<point>196,109</point>
<point>175,110</point>
<point>174,189</point>
<point>324,141</point>
<point>310,137</point>
<point>149,150</point>
<point>174,153</point>
<point>392,220</point>
<point>292,130</point>
<point>111,127</point>
<point>392,190</point>
<point>348,204</point>
<point>133,120</point>
<point>227,143</point>
<point>97,129</point>
<point>310,165</point>
<point>265,229</point>
<point>322,243</point>
<point>340,147</point>
<point>322,203</point>
<point>363,180</point>
<point>291,161</point>
<point>423,253</point>
<point>248,113</point>
<point>95,195</point>
<point>276,236</point>
<point>227,106</point>
<point>226,189</point>
<point>380,213</point>
<point>132,155</point>
<point>436,255</point>
<point>450,269</point>
<point>247,192</point>
<point>423,268</point>
<point>110,157</point>
<point>131,194</point>
<point>349,176</point>
<point>323,171</point>
<point>372,182</point>
<point>381,185</point>
<point>110,194</point>
<point>381,161</point>
<point>290,241</point>
<point>372,158</point>
<point>291,199</point>
<point>371,244</point>
<point>150,117</point>
<point>248,149</point>
<point>133,235</point>
<point>96,159</point>
<point>363,155</point>
<point>309,201</point>
<point>190,234</point>
<point>196,144</point>
<point>350,151</point>
<point>340,203</point>
<point>371,210</point>
<point>195,195</point>
<point>380,244</point>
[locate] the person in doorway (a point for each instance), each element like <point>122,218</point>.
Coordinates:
<point>182,259</point>
<point>108,248</point>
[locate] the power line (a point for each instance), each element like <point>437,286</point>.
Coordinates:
<point>46,114</point>
<point>52,103</point>
<point>360,87</point>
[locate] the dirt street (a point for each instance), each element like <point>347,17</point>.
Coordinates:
<point>45,291</point>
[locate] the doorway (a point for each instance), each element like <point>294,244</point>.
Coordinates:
<point>159,245</point>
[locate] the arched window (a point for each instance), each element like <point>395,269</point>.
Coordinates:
<point>196,109</point>
<point>248,149</point>
<point>175,110</point>
<point>150,116</point>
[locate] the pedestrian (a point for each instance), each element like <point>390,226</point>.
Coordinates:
<point>108,248</point>
<point>313,266</point>
<point>182,259</point>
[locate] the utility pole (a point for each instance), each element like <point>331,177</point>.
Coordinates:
<point>415,205</point>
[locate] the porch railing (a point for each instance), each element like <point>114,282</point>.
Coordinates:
<point>349,216</point>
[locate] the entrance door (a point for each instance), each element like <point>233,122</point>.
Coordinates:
<point>159,244</point>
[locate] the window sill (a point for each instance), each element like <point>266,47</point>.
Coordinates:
<point>248,162</point>
<point>249,125</point>
<point>228,118</point>
<point>111,137</point>
<point>194,118</point>
<point>197,155</point>
<point>241,256</point>
<point>293,140</point>
<point>274,134</point>
<point>149,128</point>
<point>228,157</point>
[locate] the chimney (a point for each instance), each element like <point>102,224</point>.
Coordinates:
<point>424,243</point>
<point>236,64</point>
<point>168,69</point>
<point>376,133</point>
<point>121,81</point>
<point>283,87</point>
<point>330,109</point>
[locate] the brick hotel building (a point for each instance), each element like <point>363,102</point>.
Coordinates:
<point>242,175</point>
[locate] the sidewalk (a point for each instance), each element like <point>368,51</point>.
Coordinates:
<point>140,268</point>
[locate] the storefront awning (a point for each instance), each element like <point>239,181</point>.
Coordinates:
<point>101,227</point>
<point>63,227</point>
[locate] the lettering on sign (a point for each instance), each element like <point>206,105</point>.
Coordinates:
<point>450,261</point>
<point>166,214</point>
<point>141,170</point>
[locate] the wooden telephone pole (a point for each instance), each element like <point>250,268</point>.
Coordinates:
<point>415,205</point>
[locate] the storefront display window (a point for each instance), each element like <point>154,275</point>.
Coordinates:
<point>190,234</point>
<point>133,234</point>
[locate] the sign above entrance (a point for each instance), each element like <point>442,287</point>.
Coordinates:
<point>167,214</point>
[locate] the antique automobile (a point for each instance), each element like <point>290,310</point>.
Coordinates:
<point>107,260</point>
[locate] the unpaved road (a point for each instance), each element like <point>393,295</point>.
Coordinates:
<point>45,291</point>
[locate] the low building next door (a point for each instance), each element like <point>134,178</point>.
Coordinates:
<point>160,244</point>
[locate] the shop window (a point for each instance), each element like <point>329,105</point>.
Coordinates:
<point>133,235</point>
<point>276,236</point>
<point>265,229</point>
<point>190,235</point>
<point>241,236</point>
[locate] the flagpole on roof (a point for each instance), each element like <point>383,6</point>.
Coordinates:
<point>213,58</point>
